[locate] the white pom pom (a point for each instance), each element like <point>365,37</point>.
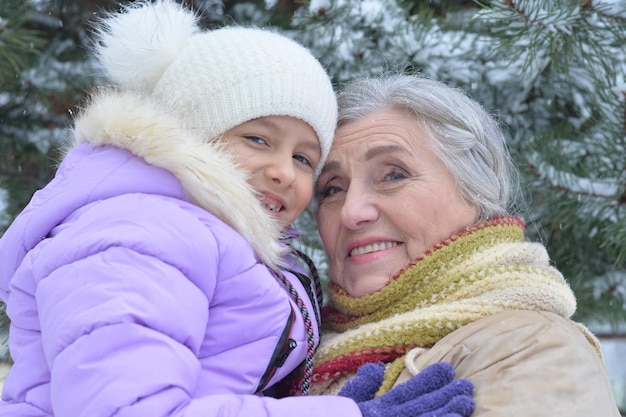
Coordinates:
<point>136,46</point>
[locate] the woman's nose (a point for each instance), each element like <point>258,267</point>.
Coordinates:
<point>358,210</point>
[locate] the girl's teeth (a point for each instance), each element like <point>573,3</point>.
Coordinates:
<point>273,208</point>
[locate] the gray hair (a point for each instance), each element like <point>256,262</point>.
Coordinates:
<point>465,137</point>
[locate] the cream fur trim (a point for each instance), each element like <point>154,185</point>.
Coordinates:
<point>206,172</point>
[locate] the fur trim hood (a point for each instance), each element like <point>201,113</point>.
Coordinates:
<point>207,173</point>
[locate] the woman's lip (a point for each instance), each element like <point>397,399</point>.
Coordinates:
<point>374,247</point>
<point>374,255</point>
<point>374,240</point>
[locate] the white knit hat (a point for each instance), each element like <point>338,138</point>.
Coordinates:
<point>215,80</point>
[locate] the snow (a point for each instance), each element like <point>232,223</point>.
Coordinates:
<point>4,204</point>
<point>614,351</point>
<point>612,7</point>
<point>597,187</point>
<point>316,5</point>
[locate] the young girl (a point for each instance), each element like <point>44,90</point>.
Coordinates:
<point>151,276</point>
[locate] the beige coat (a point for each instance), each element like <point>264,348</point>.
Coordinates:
<point>524,364</point>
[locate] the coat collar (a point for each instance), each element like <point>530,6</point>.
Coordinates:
<point>207,173</point>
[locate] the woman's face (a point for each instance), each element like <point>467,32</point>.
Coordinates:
<point>384,199</point>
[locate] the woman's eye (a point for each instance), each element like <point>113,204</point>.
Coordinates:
<point>327,191</point>
<point>256,139</point>
<point>303,159</point>
<point>395,175</point>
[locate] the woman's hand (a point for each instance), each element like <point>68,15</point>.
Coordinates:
<point>432,392</point>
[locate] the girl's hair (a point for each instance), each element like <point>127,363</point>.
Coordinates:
<point>464,136</point>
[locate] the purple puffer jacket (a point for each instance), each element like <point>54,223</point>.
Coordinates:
<point>127,299</point>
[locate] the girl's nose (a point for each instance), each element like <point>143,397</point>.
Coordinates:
<point>281,171</point>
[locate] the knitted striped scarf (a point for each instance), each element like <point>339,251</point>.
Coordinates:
<point>479,272</point>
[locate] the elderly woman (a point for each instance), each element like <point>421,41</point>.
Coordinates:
<point>426,264</point>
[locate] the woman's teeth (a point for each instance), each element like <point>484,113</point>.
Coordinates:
<point>374,247</point>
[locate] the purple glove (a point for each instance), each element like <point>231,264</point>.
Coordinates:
<point>431,393</point>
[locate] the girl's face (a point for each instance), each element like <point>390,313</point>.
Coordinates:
<point>281,154</point>
<point>384,199</point>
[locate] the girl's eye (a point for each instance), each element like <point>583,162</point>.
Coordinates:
<point>303,159</point>
<point>256,139</point>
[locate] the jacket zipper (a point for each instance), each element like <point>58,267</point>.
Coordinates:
<point>285,346</point>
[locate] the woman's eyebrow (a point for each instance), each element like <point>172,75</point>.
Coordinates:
<point>378,150</point>
<point>371,153</point>
<point>330,166</point>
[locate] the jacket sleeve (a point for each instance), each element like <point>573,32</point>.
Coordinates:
<point>120,305</point>
<point>526,364</point>
<point>123,298</point>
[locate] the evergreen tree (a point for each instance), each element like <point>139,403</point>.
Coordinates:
<point>553,73</point>
<point>43,74</point>
<point>19,47</point>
